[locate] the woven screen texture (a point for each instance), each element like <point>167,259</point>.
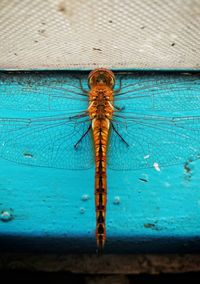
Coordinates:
<point>117,34</point>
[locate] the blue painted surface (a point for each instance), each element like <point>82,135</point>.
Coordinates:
<point>51,209</point>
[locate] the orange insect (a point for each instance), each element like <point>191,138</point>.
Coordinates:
<point>100,110</point>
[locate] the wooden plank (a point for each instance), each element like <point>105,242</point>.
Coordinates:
<point>48,209</point>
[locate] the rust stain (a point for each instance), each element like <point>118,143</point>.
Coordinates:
<point>62,8</point>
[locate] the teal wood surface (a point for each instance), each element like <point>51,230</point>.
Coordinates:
<point>47,188</point>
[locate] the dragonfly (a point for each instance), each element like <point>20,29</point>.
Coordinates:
<point>122,121</point>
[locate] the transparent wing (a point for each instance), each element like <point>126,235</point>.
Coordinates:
<point>153,140</point>
<point>41,93</point>
<point>177,92</point>
<point>46,142</point>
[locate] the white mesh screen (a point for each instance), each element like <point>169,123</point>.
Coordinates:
<point>119,34</point>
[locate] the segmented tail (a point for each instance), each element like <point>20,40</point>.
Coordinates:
<point>100,198</point>
<point>100,139</point>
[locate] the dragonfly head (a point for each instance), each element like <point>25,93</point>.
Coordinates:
<point>101,76</point>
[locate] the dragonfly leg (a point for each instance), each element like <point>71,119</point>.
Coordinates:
<point>114,128</point>
<point>119,108</point>
<point>79,115</point>
<point>84,134</point>
<point>120,86</point>
<point>81,86</point>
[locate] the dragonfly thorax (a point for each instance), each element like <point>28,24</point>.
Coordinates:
<point>100,102</point>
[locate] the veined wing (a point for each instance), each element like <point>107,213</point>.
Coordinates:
<point>153,140</point>
<point>46,142</point>
<point>177,92</point>
<point>34,94</point>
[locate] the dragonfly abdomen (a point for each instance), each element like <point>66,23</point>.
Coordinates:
<point>100,134</point>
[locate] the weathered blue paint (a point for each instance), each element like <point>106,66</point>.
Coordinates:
<point>50,209</point>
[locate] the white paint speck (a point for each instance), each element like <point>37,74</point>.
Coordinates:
<point>146,156</point>
<point>6,216</point>
<point>85,197</point>
<point>156,167</point>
